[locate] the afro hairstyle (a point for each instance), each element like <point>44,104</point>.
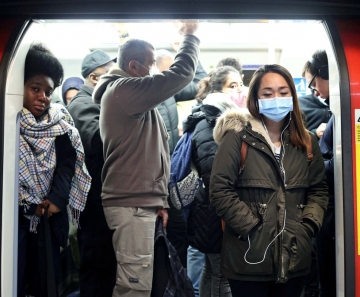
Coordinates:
<point>39,60</point>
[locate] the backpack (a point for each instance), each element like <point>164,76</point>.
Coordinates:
<point>169,277</point>
<point>184,184</point>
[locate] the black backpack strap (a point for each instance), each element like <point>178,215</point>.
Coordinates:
<point>50,273</point>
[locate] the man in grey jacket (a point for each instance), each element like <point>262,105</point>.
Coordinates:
<point>136,170</point>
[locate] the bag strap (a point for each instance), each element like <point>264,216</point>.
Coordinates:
<point>310,154</point>
<point>50,273</point>
<point>243,153</point>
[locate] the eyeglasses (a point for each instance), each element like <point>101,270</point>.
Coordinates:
<point>310,84</point>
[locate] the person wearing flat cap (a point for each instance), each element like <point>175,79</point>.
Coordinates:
<point>70,88</point>
<point>97,272</point>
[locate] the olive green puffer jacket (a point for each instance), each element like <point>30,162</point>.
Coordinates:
<point>271,210</point>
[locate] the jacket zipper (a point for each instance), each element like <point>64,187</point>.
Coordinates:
<point>281,274</point>
<point>282,277</point>
<point>273,157</point>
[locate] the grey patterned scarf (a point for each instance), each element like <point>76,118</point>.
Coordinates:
<point>37,160</point>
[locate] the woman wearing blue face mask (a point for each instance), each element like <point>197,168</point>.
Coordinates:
<point>275,202</point>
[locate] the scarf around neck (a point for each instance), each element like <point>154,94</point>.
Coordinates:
<point>37,161</point>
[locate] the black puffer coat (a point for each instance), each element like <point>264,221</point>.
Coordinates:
<point>204,226</point>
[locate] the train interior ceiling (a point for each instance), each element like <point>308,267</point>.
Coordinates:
<point>254,43</point>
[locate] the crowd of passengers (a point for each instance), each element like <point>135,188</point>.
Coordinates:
<point>243,183</point>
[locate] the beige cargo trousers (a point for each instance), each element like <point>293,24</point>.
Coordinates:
<point>133,242</point>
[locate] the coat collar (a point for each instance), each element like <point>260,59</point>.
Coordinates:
<point>238,121</point>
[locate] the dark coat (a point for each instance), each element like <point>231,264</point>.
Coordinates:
<point>326,147</point>
<point>316,112</point>
<point>168,112</point>
<point>260,200</point>
<point>168,108</point>
<point>61,186</point>
<point>203,144</point>
<point>98,260</point>
<point>189,92</point>
<point>204,226</point>
<point>85,114</point>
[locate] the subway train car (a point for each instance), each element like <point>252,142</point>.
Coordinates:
<point>257,32</point>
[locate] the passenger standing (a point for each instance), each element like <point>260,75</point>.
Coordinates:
<point>233,62</point>
<point>275,203</point>
<point>239,95</point>
<point>97,258</point>
<point>317,72</point>
<point>205,233</point>
<point>317,114</point>
<point>70,88</point>
<point>136,169</point>
<point>316,110</point>
<point>52,175</point>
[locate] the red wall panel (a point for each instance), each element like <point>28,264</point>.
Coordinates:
<point>349,31</point>
<point>7,27</point>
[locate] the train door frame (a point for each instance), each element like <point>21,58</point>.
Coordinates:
<point>347,256</point>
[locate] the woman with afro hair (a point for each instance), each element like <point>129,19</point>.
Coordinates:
<point>53,179</point>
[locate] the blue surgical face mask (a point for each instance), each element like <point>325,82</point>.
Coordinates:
<point>276,108</point>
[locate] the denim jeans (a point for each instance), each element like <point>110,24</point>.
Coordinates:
<point>195,263</point>
<point>212,283</point>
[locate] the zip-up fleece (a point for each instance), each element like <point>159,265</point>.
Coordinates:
<point>265,204</point>
<point>136,151</point>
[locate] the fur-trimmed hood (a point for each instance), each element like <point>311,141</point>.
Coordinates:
<point>237,121</point>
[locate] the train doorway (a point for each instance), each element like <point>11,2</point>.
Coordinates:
<point>254,42</point>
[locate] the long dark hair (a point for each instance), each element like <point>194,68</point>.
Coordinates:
<point>298,134</point>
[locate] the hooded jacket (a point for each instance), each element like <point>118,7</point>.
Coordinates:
<point>271,210</point>
<point>136,152</point>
